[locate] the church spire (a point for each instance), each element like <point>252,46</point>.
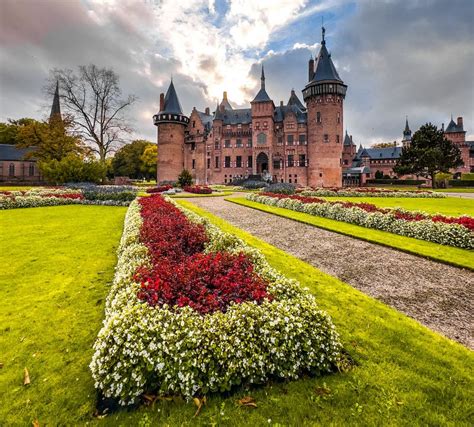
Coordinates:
<point>56,107</point>
<point>262,79</point>
<point>262,95</point>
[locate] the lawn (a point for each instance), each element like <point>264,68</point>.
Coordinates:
<point>55,263</point>
<point>447,254</point>
<point>450,206</point>
<point>405,374</point>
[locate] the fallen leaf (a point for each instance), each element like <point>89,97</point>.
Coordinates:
<point>26,377</point>
<point>36,423</point>
<point>247,401</point>
<point>199,403</point>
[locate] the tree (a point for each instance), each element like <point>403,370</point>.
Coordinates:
<point>384,144</point>
<point>185,178</point>
<point>52,139</point>
<point>73,168</point>
<point>378,174</point>
<point>9,131</point>
<point>148,160</point>
<point>94,99</point>
<point>429,153</point>
<point>128,159</point>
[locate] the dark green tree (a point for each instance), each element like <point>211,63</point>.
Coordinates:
<point>128,161</point>
<point>9,131</point>
<point>185,178</point>
<point>429,153</point>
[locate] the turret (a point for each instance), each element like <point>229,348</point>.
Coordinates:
<point>324,96</point>
<point>171,123</point>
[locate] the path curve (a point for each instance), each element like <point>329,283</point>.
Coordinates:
<point>437,295</point>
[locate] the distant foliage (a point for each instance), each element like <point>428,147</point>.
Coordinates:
<point>185,179</point>
<point>136,160</point>
<point>72,168</point>
<point>253,185</point>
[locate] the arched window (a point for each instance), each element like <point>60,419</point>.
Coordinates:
<point>31,169</point>
<point>261,138</point>
<point>11,169</point>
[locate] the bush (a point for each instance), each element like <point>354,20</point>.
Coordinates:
<point>467,177</point>
<point>197,189</point>
<point>72,169</point>
<point>281,188</point>
<point>185,179</point>
<point>254,185</point>
<point>397,181</point>
<point>159,189</point>
<point>461,183</point>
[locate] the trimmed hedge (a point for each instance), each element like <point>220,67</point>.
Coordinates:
<point>461,183</point>
<point>397,181</point>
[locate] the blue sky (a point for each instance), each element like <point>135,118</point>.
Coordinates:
<point>398,58</point>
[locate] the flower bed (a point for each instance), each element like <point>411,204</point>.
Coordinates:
<point>204,313</point>
<point>41,196</point>
<point>458,232</point>
<point>198,189</point>
<point>368,192</point>
<point>159,189</point>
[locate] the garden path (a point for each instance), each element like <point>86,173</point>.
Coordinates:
<point>437,295</point>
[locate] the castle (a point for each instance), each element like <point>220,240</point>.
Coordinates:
<point>294,143</point>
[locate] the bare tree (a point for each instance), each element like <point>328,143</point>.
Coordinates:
<point>94,100</point>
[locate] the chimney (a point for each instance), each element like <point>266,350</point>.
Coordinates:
<point>310,69</point>
<point>351,138</point>
<point>207,111</point>
<point>281,103</point>
<point>460,125</point>
<point>225,95</point>
<point>162,101</point>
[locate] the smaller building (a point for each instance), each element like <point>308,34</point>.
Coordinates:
<point>17,166</point>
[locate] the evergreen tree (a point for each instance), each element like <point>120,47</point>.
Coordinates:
<point>429,153</point>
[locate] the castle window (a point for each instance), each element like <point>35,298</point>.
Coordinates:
<point>289,180</point>
<point>265,125</point>
<point>337,138</point>
<point>346,162</point>
<point>209,163</point>
<point>238,162</point>
<point>338,119</point>
<point>32,169</point>
<point>227,143</point>
<point>228,127</point>
<point>302,160</point>
<point>289,139</point>
<point>216,145</point>
<point>276,164</point>
<point>257,125</point>
<point>326,137</point>
<point>302,139</point>
<point>320,175</point>
<point>239,126</point>
<point>227,161</point>
<point>238,143</point>
<point>194,164</point>
<point>11,169</point>
<point>280,140</point>
<point>193,146</point>
<point>318,117</point>
<point>261,138</point>
<point>217,162</point>
<point>249,142</point>
<point>291,160</point>
<point>249,161</point>
<point>194,124</point>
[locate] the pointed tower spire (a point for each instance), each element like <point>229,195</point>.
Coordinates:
<point>262,79</point>
<point>406,133</point>
<point>56,107</point>
<point>262,95</point>
<point>323,31</point>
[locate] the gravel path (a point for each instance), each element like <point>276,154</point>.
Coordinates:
<point>437,295</point>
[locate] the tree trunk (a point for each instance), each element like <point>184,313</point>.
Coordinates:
<point>433,180</point>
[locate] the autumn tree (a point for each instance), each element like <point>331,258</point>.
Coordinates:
<point>129,160</point>
<point>93,98</point>
<point>148,160</point>
<point>429,153</point>
<point>9,131</point>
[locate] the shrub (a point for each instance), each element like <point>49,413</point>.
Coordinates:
<point>461,183</point>
<point>197,189</point>
<point>397,181</point>
<point>159,189</point>
<point>185,179</point>
<point>467,177</point>
<point>281,188</point>
<point>72,168</point>
<point>254,185</point>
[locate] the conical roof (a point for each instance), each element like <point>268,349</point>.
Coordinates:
<point>262,95</point>
<point>347,139</point>
<point>56,107</point>
<point>324,67</point>
<point>172,104</point>
<point>453,127</point>
<point>294,100</point>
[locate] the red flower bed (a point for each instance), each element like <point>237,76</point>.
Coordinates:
<point>159,189</point>
<point>181,275</point>
<point>198,189</point>
<point>465,221</point>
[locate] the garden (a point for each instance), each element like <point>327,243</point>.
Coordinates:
<point>204,323</point>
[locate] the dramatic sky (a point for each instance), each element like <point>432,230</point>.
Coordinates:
<point>410,57</point>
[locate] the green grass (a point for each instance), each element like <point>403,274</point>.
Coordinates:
<point>55,263</point>
<point>59,261</point>
<point>414,187</point>
<point>446,254</point>
<point>450,206</point>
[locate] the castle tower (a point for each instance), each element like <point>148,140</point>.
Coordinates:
<point>263,110</point>
<point>324,96</point>
<point>406,135</point>
<point>171,123</point>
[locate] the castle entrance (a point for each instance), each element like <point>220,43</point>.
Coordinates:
<point>262,163</point>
